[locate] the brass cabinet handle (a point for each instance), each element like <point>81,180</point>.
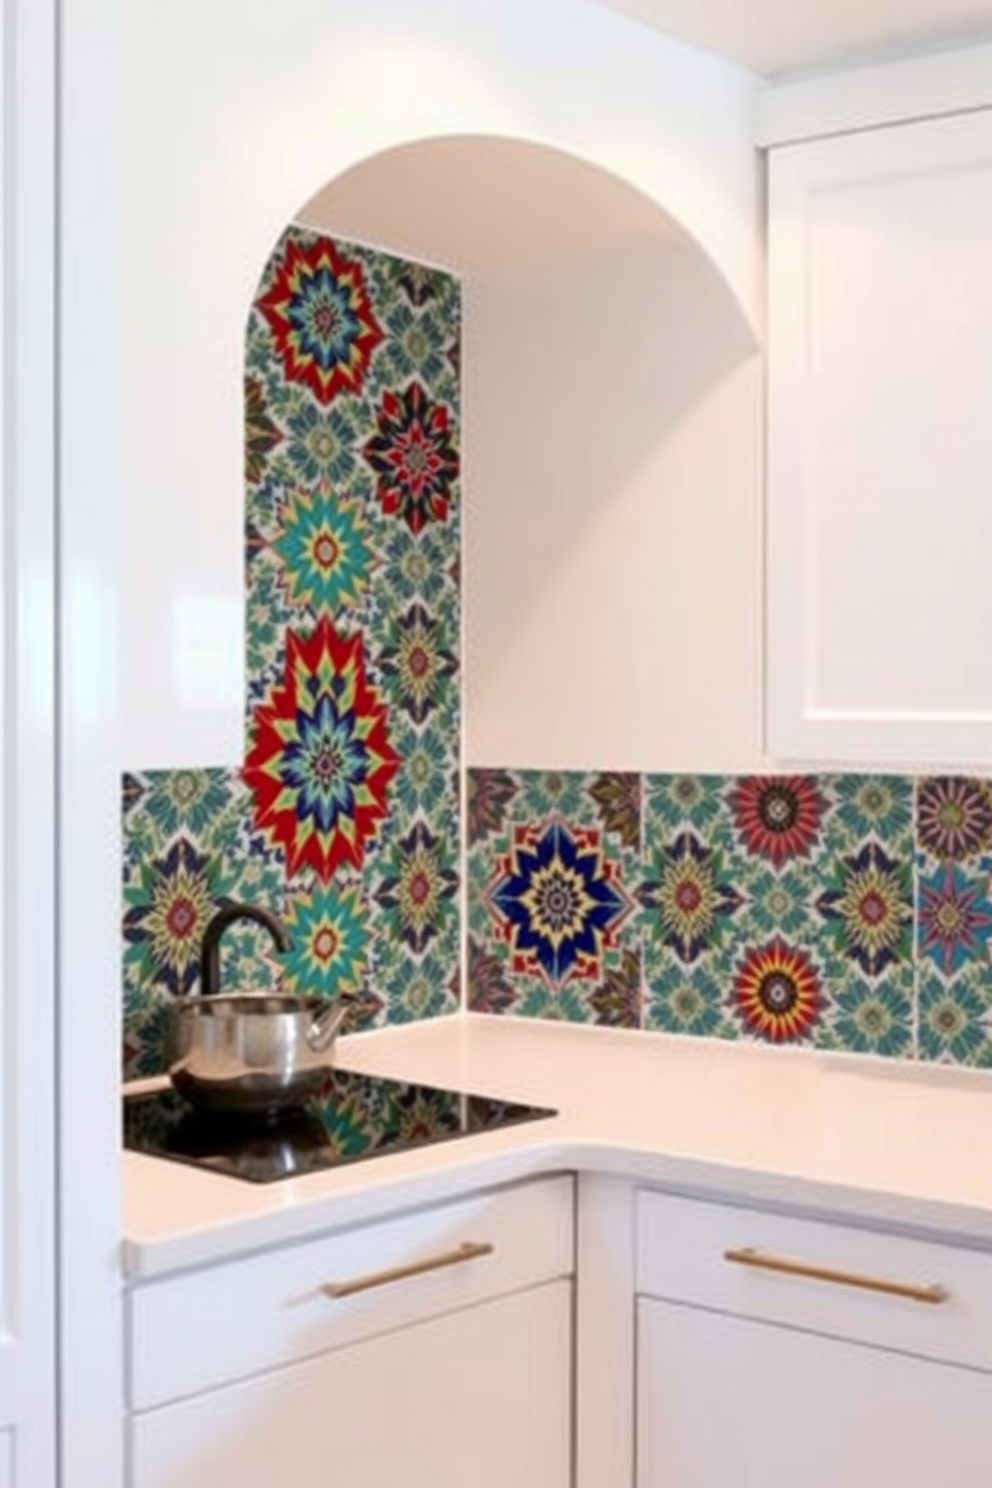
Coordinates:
<point>469,1250</point>
<point>762,1262</point>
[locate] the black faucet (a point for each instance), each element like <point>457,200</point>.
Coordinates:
<point>210,949</point>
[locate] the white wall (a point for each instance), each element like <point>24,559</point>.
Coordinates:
<point>613,550</point>
<point>237,111</point>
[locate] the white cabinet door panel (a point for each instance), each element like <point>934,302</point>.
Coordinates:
<point>725,1401</point>
<point>880,446</point>
<point>477,1399</point>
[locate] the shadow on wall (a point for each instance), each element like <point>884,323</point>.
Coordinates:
<point>620,353</point>
<point>612,421</point>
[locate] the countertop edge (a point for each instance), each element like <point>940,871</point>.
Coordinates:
<point>305,1219</point>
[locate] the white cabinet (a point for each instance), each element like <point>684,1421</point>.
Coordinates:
<point>480,1397</point>
<point>724,1400</point>
<point>798,1354</point>
<point>433,1348</point>
<point>880,446</point>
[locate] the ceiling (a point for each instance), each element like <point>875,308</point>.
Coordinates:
<point>779,36</point>
<point>486,207</point>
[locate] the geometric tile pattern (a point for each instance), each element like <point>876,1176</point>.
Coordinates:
<point>954,919</point>
<point>345,818</point>
<point>844,912</point>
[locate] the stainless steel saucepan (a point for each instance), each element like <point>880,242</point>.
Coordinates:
<point>249,1051</point>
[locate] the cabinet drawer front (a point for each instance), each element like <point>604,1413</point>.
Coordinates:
<point>915,1296</point>
<point>226,1322</point>
<point>476,1399</point>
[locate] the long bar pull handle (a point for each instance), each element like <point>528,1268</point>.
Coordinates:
<point>469,1250</point>
<point>762,1262</point>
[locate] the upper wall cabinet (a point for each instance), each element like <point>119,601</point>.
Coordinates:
<point>880,447</point>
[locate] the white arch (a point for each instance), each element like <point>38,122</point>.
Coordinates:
<point>237,113</point>
<point>492,205</point>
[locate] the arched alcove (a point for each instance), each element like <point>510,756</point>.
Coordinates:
<point>610,395</point>
<point>608,398</point>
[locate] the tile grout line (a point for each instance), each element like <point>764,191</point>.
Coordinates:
<point>914,799</point>
<point>642,991</point>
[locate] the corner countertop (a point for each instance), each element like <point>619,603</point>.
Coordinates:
<point>875,1141</point>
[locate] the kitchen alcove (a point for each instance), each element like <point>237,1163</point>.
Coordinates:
<point>597,341</point>
<point>611,408</point>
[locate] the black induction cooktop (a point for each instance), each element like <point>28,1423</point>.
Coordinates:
<point>355,1117</point>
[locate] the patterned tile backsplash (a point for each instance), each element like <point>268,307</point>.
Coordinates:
<point>845,912</point>
<point>345,817</point>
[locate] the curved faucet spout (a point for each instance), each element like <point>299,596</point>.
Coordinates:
<point>210,949</point>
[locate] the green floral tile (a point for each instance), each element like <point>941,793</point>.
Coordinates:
<point>321,445</point>
<point>875,1017</point>
<point>873,805</point>
<point>415,987</point>
<point>865,903</point>
<point>147,1020</point>
<point>415,889</point>
<point>691,904</point>
<point>417,567</point>
<point>955,1016</point>
<point>689,1004</point>
<point>542,792</point>
<point>188,850</point>
<point>417,661</point>
<point>674,802</point>
<point>781,903</point>
<point>429,767</point>
<point>331,933</point>
<point>864,906</point>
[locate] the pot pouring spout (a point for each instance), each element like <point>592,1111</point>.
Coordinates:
<point>324,1028</point>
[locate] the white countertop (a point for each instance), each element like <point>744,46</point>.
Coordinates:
<point>875,1140</point>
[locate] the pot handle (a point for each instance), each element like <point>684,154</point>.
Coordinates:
<point>323,1030</point>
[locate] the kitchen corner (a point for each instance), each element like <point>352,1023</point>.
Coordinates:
<point>859,1139</point>
<point>497,755</point>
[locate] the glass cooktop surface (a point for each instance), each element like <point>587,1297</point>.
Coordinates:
<point>355,1117</point>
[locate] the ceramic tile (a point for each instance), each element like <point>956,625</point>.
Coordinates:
<point>692,1002</point>
<point>954,919</point>
<point>955,1016</point>
<point>552,866</point>
<point>864,896</point>
<point>727,895</point>
<point>874,1017</point>
<point>953,819</point>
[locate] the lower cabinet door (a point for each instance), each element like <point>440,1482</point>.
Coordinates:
<point>725,1401</point>
<point>478,1399</point>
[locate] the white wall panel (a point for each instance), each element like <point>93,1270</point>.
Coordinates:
<point>613,519</point>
